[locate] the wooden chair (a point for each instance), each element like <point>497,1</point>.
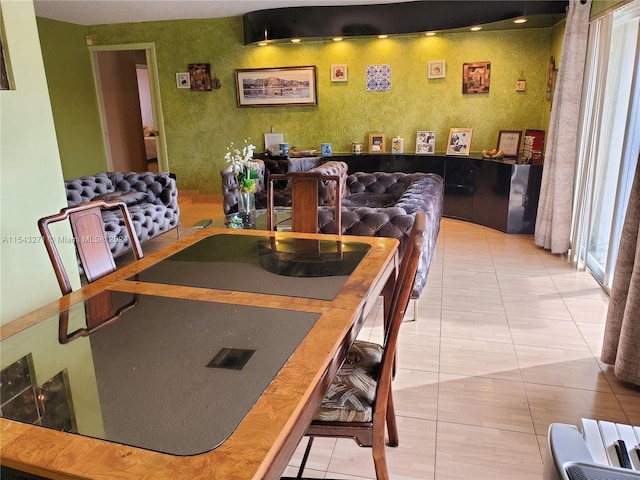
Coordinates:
<point>304,200</point>
<point>90,240</point>
<point>367,374</point>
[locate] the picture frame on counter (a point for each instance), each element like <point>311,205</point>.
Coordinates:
<point>377,142</point>
<point>459,141</point>
<point>425,143</point>
<point>276,87</point>
<point>509,142</point>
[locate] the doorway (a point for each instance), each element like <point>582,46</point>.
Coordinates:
<point>130,108</point>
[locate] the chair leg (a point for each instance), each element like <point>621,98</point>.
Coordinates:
<point>392,424</point>
<point>305,457</point>
<point>415,311</point>
<point>379,458</point>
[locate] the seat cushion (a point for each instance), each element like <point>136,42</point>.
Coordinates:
<point>351,395</point>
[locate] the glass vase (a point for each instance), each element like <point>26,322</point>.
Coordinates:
<point>247,209</point>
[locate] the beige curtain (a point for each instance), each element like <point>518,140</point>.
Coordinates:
<point>621,345</point>
<point>553,224</point>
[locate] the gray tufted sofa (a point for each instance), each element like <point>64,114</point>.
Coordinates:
<point>152,200</point>
<point>384,204</point>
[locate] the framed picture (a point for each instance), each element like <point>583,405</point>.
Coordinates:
<point>200,77</point>
<point>272,141</point>
<point>476,77</point>
<point>459,142</point>
<point>376,142</point>
<point>509,142</point>
<point>426,143</point>
<point>276,87</point>
<point>435,69</point>
<point>182,80</point>
<point>339,73</point>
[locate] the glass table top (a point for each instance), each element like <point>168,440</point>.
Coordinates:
<point>261,264</point>
<point>164,374</point>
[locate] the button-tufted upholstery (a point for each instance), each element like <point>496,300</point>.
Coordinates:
<point>152,200</point>
<point>396,198</point>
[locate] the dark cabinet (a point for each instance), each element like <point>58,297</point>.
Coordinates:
<point>487,192</point>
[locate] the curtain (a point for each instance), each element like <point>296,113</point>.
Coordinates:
<point>621,345</point>
<point>553,224</point>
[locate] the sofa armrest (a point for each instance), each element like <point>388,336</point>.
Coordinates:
<point>84,189</point>
<point>326,190</point>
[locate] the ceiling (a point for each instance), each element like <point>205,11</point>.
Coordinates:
<point>97,12</point>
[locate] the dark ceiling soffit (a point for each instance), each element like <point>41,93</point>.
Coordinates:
<point>394,18</point>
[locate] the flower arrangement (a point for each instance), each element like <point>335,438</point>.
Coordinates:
<point>243,168</point>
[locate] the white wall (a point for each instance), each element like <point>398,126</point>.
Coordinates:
<point>31,181</point>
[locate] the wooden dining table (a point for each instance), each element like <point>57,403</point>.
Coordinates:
<point>204,360</point>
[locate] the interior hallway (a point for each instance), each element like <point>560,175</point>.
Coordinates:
<point>507,341</point>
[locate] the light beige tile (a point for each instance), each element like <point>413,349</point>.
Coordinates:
<point>475,326</point>
<point>470,279</point>
<point>593,334</point>
<point>529,284</point>
<point>552,404</point>
<point>619,386</point>
<point>542,332</point>
<point>418,352</point>
<point>586,309</point>
<point>412,460</point>
<point>415,394</point>
<point>544,306</point>
<point>319,456</point>
<point>479,358</point>
<point>480,453</point>
<point>473,300</point>
<point>561,367</point>
<point>484,402</point>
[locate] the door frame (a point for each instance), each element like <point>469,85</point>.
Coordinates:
<point>154,90</point>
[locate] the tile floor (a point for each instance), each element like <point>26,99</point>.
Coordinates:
<point>507,341</point>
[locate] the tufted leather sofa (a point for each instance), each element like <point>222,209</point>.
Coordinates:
<point>384,204</point>
<point>152,200</point>
<point>282,194</point>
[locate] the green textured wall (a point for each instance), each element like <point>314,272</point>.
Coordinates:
<point>73,97</point>
<point>31,184</point>
<point>200,125</point>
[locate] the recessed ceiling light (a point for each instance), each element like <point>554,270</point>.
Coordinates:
<point>296,40</point>
<point>383,36</point>
<point>520,20</point>
<point>337,39</point>
<point>430,34</point>
<point>262,44</point>
<point>475,29</point>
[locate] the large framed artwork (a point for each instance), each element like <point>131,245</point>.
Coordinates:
<point>476,77</point>
<point>276,87</point>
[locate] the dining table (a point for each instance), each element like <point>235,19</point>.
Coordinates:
<point>205,359</point>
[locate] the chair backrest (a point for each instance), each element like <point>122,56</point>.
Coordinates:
<point>90,240</point>
<point>398,306</point>
<point>304,200</point>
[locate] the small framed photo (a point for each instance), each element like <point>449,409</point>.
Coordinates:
<point>200,77</point>
<point>376,142</point>
<point>509,142</point>
<point>476,77</point>
<point>426,143</point>
<point>459,142</point>
<point>339,73</point>
<point>272,141</point>
<point>182,80</point>
<point>435,69</point>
